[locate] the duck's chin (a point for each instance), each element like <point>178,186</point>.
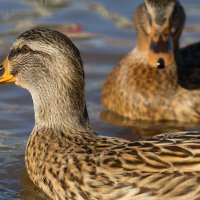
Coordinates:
<point>19,84</point>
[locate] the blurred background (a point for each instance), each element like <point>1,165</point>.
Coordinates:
<point>103,32</point>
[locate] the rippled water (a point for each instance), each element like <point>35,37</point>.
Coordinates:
<point>103,42</point>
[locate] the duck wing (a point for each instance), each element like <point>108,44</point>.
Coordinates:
<point>189,67</point>
<point>163,167</point>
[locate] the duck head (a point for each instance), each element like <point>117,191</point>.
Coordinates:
<point>159,25</point>
<point>42,56</point>
<point>48,64</point>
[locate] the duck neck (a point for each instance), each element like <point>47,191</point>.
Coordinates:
<point>149,78</point>
<point>59,108</point>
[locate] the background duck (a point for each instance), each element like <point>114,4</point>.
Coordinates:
<point>66,158</point>
<point>157,80</point>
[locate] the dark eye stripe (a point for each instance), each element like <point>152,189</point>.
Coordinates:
<point>2,70</point>
<point>15,52</point>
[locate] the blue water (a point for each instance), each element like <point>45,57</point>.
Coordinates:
<point>103,43</point>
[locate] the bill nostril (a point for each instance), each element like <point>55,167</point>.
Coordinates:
<point>161,63</point>
<point>2,70</point>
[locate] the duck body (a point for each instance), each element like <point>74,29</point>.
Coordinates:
<point>161,168</point>
<point>139,92</point>
<point>66,158</point>
<point>139,89</point>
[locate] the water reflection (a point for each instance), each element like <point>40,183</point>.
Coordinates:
<point>145,129</point>
<point>30,191</point>
<point>49,3</point>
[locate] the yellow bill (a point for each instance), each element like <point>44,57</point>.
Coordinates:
<point>5,76</point>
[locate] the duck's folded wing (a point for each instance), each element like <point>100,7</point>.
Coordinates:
<point>189,67</point>
<point>164,167</point>
<point>168,152</point>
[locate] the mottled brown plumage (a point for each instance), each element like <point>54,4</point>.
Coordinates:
<point>140,90</point>
<point>66,159</point>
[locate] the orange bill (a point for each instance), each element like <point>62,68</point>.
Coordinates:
<point>5,76</point>
<point>161,51</point>
<point>161,48</point>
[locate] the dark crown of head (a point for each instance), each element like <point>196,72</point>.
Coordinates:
<point>46,36</point>
<point>160,3</point>
<point>54,38</point>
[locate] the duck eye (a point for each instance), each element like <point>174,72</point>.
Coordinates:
<point>25,48</point>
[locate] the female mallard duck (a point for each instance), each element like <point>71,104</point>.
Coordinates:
<point>157,80</point>
<point>66,159</point>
